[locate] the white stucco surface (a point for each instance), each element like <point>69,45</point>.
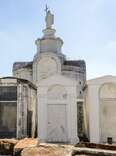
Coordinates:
<point>64,94</point>
<point>98,98</point>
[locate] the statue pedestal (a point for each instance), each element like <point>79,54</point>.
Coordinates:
<point>49,33</point>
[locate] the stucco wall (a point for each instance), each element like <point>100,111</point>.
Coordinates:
<point>69,99</point>
<point>98,102</point>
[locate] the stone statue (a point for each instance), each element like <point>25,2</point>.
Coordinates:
<point>49,19</point>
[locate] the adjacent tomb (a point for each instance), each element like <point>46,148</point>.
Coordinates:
<point>101,109</point>
<point>17,108</point>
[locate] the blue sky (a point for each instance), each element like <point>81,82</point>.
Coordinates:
<point>88,28</point>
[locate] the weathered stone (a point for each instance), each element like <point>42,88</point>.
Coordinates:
<point>92,152</point>
<point>29,147</point>
<point>65,150</point>
<point>7,146</point>
<point>25,143</point>
<point>97,146</point>
<point>46,150</point>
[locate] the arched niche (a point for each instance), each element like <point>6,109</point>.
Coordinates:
<point>108,91</point>
<point>107,94</point>
<point>57,92</point>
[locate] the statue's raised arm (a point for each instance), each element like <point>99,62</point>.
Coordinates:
<point>49,19</point>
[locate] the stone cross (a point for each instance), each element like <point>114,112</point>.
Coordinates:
<point>46,9</point>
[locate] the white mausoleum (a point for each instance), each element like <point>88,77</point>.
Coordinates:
<point>60,84</point>
<point>101,108</point>
<point>69,107</point>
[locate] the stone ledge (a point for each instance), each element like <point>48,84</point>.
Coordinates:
<point>30,147</point>
<point>65,150</point>
<point>92,152</point>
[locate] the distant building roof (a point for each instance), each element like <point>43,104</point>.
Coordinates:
<point>19,65</point>
<point>78,63</point>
